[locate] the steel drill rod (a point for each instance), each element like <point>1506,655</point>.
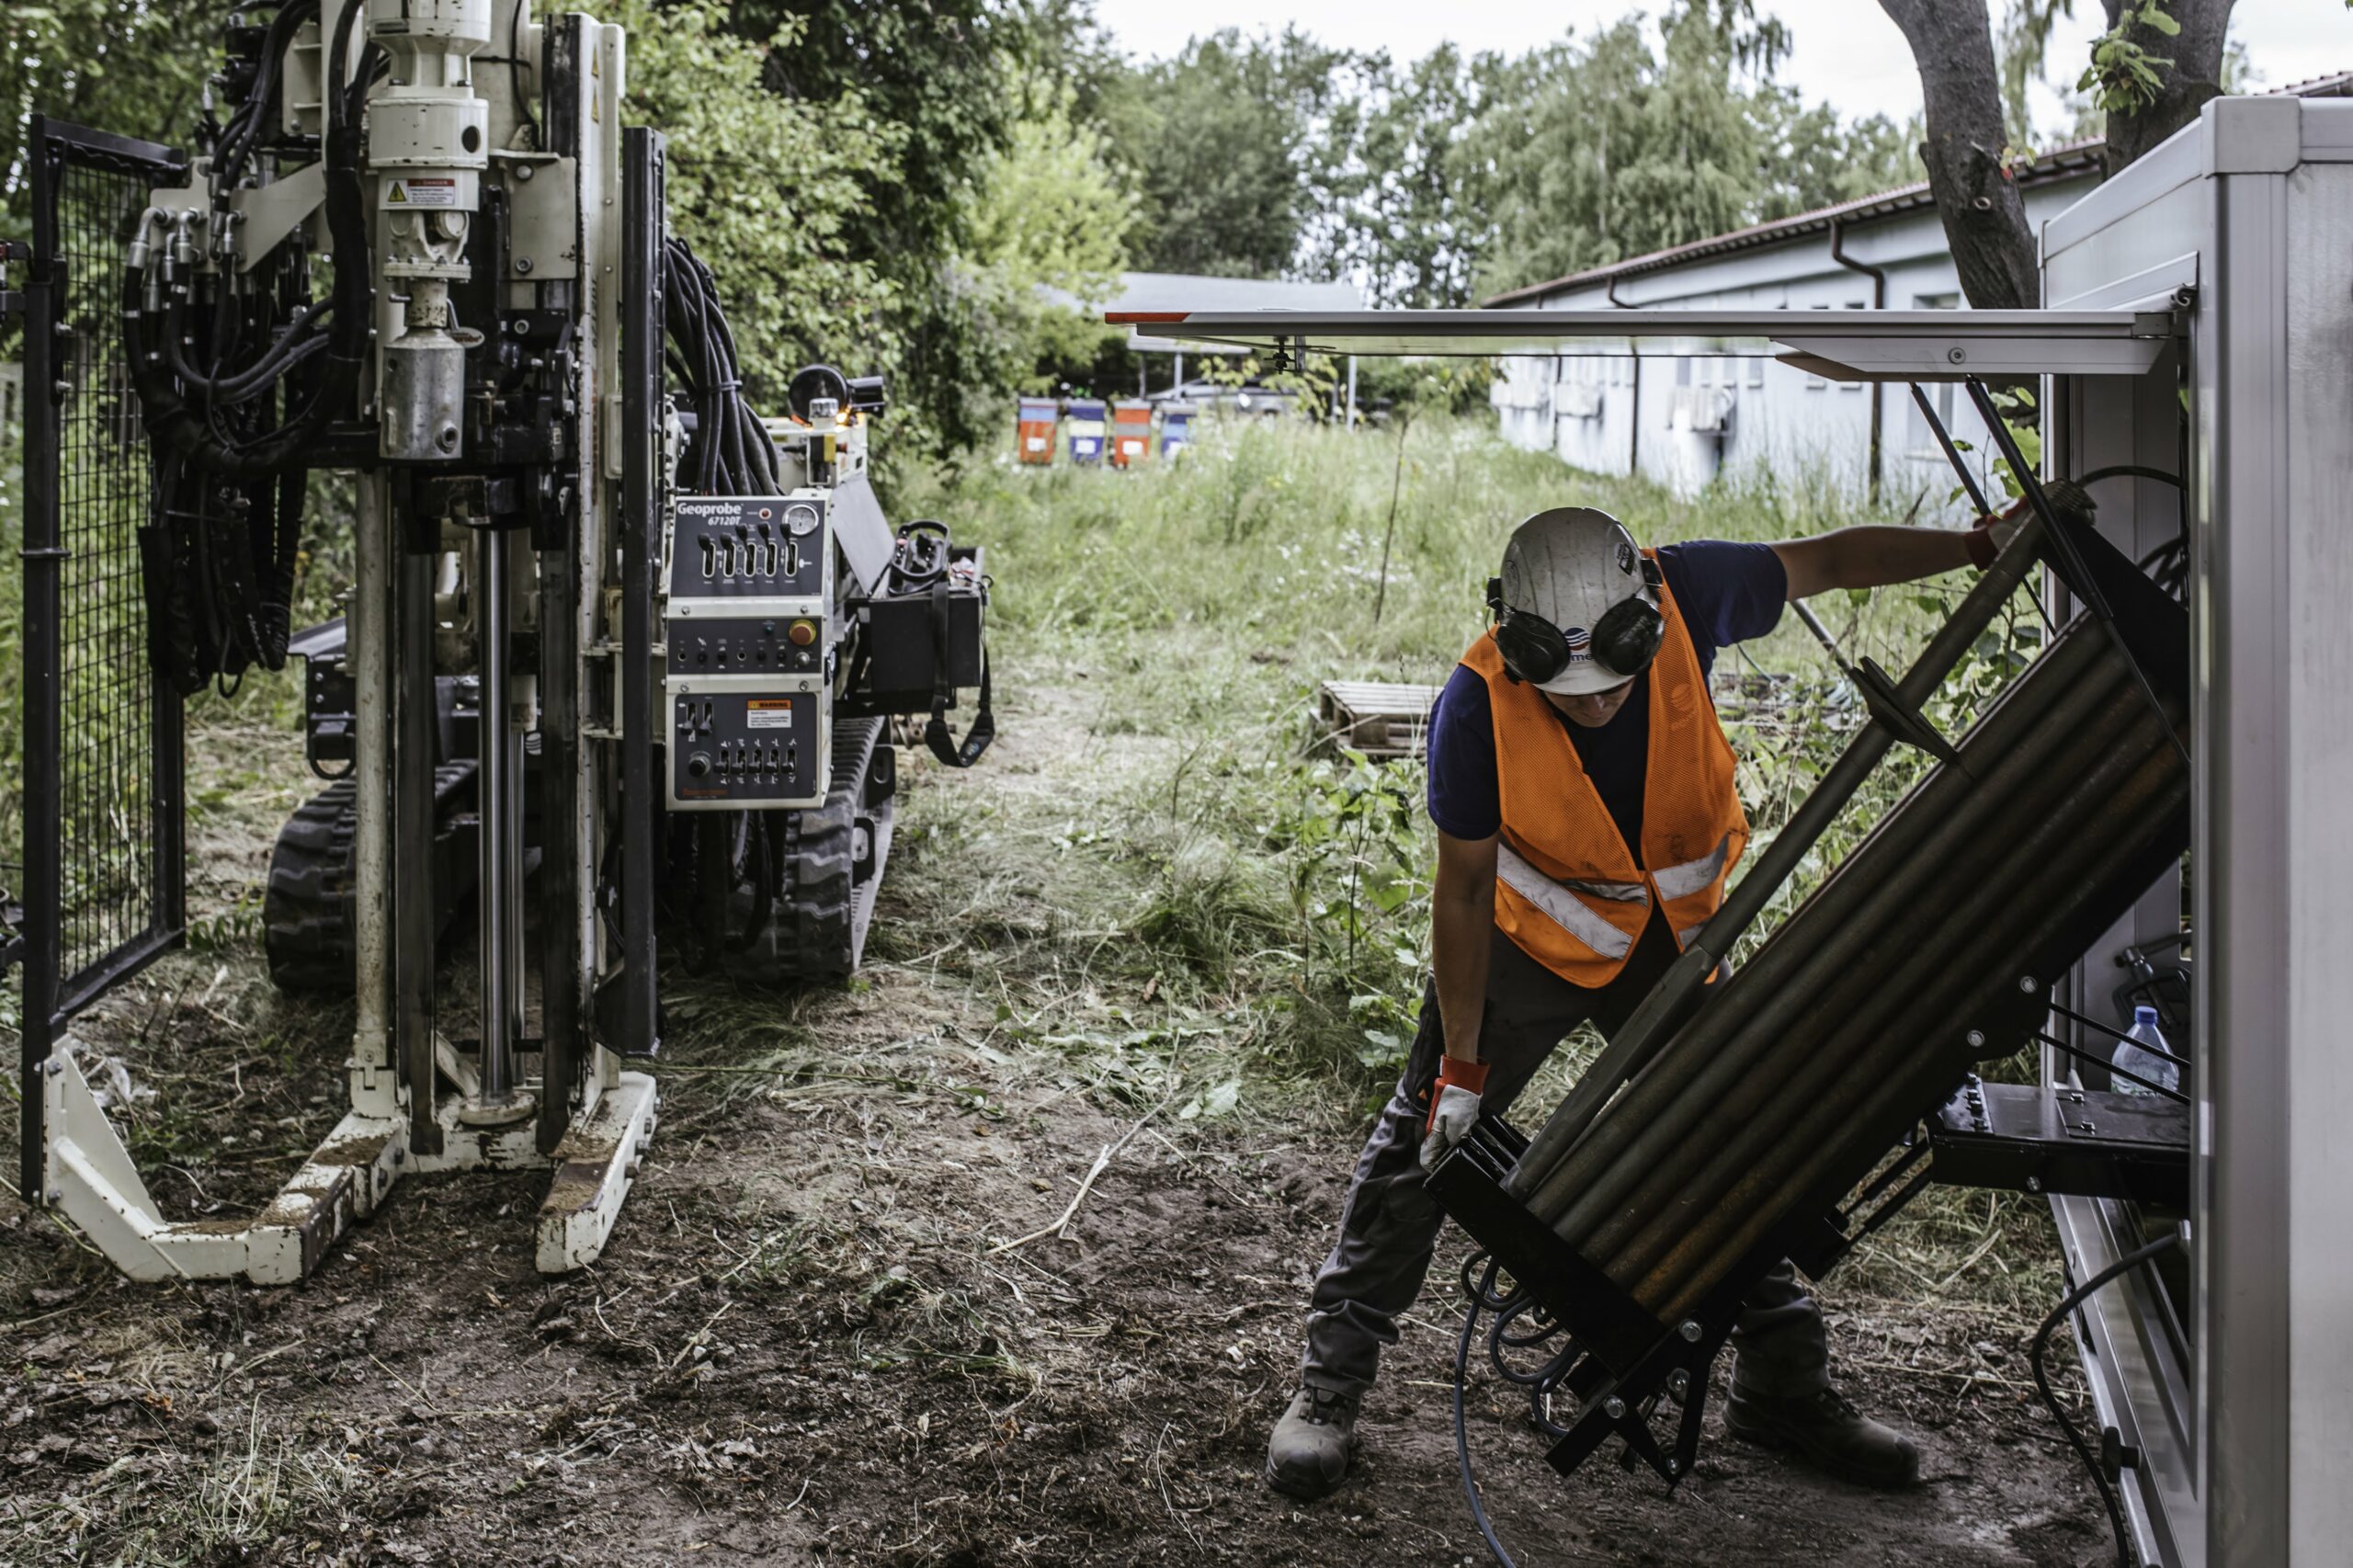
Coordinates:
<point>1890,1086</point>
<point>1842,1022</point>
<point>1669,1001</point>
<point>2039,713</point>
<point>1902,1095</point>
<point>1892,1079</point>
<point>1638,1140</point>
<point>495,799</point>
<point>1838,1021</point>
<point>1817,1059</point>
<point>376,1053</point>
<point>1652,1126</point>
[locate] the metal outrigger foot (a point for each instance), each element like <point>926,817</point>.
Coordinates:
<point>88,1175</point>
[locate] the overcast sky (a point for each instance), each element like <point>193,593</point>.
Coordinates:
<point>1846,50</point>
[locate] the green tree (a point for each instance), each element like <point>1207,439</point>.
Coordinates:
<point>1046,240</point>
<point>1407,226</point>
<point>133,66</point>
<point>1809,158</point>
<point>1599,150</point>
<point>767,190</point>
<point>1231,149</point>
<point>941,81</point>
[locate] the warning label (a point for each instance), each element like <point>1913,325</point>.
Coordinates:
<point>767,713</point>
<point>439,191</point>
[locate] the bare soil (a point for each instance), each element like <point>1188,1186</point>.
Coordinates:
<point>802,1347</point>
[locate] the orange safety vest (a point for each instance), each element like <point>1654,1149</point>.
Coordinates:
<point>1567,889</point>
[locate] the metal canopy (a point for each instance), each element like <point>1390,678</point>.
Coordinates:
<point>1855,346</point>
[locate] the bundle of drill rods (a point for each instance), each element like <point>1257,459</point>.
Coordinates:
<point>1869,1004</point>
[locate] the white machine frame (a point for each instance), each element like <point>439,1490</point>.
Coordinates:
<point>433,123</point>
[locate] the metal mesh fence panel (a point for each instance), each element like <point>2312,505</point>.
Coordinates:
<point>109,743</point>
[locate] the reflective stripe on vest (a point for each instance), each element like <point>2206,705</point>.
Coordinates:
<point>1558,902</point>
<point>1681,882</point>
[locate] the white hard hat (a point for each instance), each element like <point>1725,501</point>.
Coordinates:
<point>1567,568</point>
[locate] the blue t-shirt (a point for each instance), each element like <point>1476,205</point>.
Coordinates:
<point>1727,592</point>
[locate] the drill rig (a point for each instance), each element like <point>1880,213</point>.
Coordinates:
<point>593,592</point>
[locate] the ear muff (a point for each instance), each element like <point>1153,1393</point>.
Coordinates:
<point>1625,642</point>
<point>1533,649</point>
<point>1629,632</point>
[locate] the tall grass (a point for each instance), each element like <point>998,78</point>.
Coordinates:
<point>1199,836</point>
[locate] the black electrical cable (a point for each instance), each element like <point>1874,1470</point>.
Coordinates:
<point>515,71</point>
<point>1481,1294</point>
<point>2131,471</point>
<point>2125,1265</point>
<point>727,453</point>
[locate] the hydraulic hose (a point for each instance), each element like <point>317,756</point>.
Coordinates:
<point>170,421</point>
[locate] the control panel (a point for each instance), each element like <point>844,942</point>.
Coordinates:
<point>747,646</point>
<point>730,642</point>
<point>751,547</point>
<point>738,744</point>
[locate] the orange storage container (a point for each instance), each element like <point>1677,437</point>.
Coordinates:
<point>1130,434</point>
<point>1034,432</point>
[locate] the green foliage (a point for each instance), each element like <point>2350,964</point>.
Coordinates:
<point>1599,150</point>
<point>1047,239</point>
<point>767,190</point>
<point>2123,77</point>
<point>1227,144</point>
<point>1808,159</point>
<point>1409,223</point>
<point>1170,626</point>
<point>135,66</point>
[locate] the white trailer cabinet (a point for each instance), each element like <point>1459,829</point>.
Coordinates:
<point>2236,1384</point>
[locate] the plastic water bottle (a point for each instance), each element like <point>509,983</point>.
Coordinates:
<point>2134,1056</point>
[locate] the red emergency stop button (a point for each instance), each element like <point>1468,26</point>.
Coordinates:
<point>802,633</point>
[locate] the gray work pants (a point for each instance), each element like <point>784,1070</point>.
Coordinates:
<point>1389,1229</point>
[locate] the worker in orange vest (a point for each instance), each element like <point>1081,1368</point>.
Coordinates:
<point>1587,823</point>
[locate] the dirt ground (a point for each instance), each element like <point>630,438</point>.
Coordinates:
<point>807,1344</point>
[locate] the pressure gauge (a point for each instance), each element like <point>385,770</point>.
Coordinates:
<point>801,520</point>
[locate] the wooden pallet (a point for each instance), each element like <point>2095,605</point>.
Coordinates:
<point>1381,720</point>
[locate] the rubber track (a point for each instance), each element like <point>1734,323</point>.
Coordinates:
<point>307,916</point>
<point>815,933</point>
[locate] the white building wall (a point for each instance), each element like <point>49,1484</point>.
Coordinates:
<point>1774,423</point>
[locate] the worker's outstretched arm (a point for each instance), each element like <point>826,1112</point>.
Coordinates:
<point>1463,924</point>
<point>1463,930</point>
<point>1870,557</point>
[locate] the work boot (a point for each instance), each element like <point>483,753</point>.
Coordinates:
<point>1828,1433</point>
<point>1308,1455</point>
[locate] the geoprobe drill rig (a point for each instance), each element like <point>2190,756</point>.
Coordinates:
<point>421,247</point>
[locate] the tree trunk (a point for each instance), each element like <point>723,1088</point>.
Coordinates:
<point>1984,218</point>
<point>2196,76</point>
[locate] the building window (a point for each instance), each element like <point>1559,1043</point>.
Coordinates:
<point>1812,382</point>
